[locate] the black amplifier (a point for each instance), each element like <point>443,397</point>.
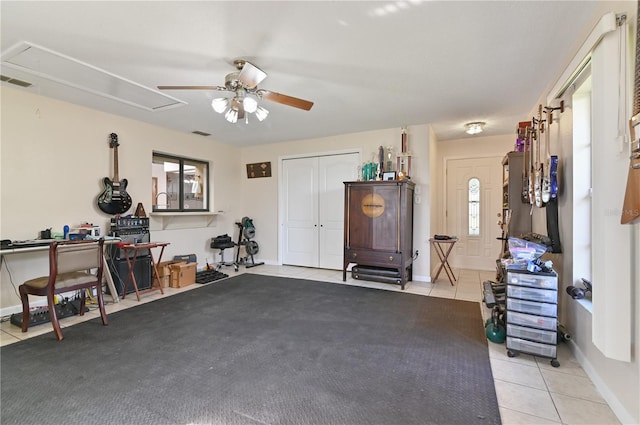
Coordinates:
<point>129,230</point>
<point>132,223</point>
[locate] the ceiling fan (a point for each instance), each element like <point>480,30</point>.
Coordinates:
<point>244,84</point>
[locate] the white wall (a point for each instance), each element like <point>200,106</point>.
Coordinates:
<point>616,248</point>
<point>54,157</point>
<point>261,192</point>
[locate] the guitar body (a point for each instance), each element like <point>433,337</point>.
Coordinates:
<point>530,186</point>
<point>631,202</point>
<point>546,190</point>
<point>551,173</point>
<point>553,177</point>
<point>537,186</point>
<point>114,199</point>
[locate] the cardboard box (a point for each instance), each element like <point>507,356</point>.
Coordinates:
<point>164,272</point>
<point>182,274</point>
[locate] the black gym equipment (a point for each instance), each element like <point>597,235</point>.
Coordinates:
<point>563,334</point>
<point>247,232</point>
<point>493,293</point>
<point>495,328</point>
<point>223,242</point>
<point>494,297</point>
<point>579,293</point>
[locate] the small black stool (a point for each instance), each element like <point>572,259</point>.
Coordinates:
<point>223,242</point>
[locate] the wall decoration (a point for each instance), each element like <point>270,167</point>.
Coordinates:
<point>259,169</point>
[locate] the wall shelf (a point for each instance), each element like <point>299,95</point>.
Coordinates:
<point>167,217</point>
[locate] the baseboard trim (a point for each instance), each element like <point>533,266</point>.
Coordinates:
<point>624,416</point>
<point>8,311</point>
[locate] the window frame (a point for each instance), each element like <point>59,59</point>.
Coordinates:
<point>204,181</point>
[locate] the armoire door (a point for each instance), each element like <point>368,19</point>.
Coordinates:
<point>313,205</point>
<point>374,217</point>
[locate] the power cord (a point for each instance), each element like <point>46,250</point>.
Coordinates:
<point>3,260</point>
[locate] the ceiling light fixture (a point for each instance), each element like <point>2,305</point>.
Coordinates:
<point>474,127</point>
<point>239,107</point>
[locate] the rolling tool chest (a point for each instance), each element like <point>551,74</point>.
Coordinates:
<point>532,314</point>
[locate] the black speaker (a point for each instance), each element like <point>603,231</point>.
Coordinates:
<point>133,237</point>
<point>119,270</point>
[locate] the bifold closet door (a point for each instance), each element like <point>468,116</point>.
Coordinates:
<point>300,203</point>
<point>313,202</point>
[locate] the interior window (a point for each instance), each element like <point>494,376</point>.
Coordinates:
<point>474,206</point>
<point>179,184</point>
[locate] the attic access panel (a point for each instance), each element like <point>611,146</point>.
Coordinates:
<point>49,64</point>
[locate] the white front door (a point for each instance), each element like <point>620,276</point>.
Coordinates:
<point>476,248</point>
<point>313,209</point>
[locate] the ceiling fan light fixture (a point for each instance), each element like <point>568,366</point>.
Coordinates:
<point>261,113</point>
<point>231,116</point>
<point>474,127</point>
<point>250,104</point>
<point>219,104</point>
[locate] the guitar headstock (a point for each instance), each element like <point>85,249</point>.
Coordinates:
<point>113,140</point>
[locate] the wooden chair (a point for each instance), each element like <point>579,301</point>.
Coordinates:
<point>69,270</point>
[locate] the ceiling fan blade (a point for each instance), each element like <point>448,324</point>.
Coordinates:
<point>285,100</point>
<point>251,75</point>
<point>192,88</point>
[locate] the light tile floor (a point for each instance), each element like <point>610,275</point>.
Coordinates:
<point>529,389</point>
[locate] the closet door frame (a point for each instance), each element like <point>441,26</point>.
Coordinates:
<point>281,189</point>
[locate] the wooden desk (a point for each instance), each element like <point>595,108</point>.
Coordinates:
<point>444,255</point>
<point>106,274</point>
<point>131,261</point>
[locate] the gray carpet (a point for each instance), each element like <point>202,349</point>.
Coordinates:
<point>258,349</point>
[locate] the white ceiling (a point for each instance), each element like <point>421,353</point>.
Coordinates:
<point>367,65</point>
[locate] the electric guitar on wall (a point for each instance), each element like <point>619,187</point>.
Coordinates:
<point>546,178</point>
<point>114,199</point>
<point>550,180</point>
<point>631,204</point>
<point>539,166</point>
<point>532,167</point>
<point>524,132</point>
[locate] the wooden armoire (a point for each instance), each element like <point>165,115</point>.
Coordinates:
<point>378,227</point>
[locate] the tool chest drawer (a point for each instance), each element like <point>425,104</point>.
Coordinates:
<point>533,307</point>
<point>539,335</point>
<point>539,322</point>
<point>533,294</point>
<point>530,347</point>
<point>533,280</point>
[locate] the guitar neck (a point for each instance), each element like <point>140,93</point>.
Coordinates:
<point>116,178</point>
